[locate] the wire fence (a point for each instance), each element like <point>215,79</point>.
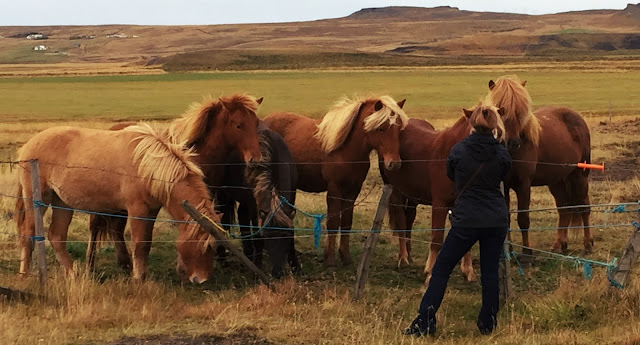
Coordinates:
<point>366,198</point>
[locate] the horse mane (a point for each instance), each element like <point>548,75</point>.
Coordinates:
<point>192,126</point>
<point>259,176</point>
<point>340,120</point>
<point>508,93</point>
<point>163,162</point>
<point>193,228</point>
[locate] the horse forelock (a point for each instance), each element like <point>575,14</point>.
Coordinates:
<point>240,101</point>
<point>390,112</point>
<point>162,162</point>
<point>509,94</point>
<point>338,123</point>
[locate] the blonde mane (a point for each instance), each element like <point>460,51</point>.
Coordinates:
<point>509,93</point>
<point>192,126</point>
<point>340,120</point>
<point>160,161</point>
<point>194,231</point>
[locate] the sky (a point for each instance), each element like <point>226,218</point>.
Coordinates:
<point>184,12</point>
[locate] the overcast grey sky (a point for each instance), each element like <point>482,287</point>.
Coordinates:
<point>174,12</point>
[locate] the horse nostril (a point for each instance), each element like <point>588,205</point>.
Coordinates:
<point>194,280</point>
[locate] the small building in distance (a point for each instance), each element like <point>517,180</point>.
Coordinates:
<point>81,37</point>
<point>37,36</point>
<point>40,47</point>
<point>118,35</point>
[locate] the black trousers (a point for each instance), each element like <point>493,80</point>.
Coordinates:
<point>458,242</point>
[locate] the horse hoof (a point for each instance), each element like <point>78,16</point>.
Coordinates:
<point>427,279</point>
<point>346,259</point>
<point>329,261</point>
<point>403,262</point>
<point>471,277</point>
<point>587,251</point>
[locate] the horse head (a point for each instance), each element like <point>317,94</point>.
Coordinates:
<point>196,248</point>
<point>238,114</point>
<point>219,126</point>
<point>383,119</point>
<point>509,93</point>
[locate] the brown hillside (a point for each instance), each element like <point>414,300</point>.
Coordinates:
<point>431,32</point>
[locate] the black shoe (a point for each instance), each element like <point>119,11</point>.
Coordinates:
<point>419,328</point>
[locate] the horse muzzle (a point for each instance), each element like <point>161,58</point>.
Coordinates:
<point>195,280</point>
<point>393,165</point>
<point>513,145</point>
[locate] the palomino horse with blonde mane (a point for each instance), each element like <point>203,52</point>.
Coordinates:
<point>135,169</point>
<point>215,129</point>
<point>543,146</point>
<point>333,155</point>
<point>422,179</point>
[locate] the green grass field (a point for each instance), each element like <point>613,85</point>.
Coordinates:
<point>429,94</point>
<point>552,303</point>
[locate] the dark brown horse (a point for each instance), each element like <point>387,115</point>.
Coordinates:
<point>258,189</point>
<point>214,129</point>
<point>542,144</point>
<point>333,155</point>
<point>422,179</point>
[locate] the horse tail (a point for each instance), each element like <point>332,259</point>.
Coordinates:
<point>19,214</point>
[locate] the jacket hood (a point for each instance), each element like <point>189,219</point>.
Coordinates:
<point>482,146</point>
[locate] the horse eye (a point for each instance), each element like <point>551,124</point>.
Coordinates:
<point>381,129</point>
<point>238,126</point>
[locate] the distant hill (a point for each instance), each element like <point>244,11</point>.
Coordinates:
<point>389,36</point>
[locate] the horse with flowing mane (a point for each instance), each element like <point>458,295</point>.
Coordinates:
<point>214,129</point>
<point>332,155</point>
<point>422,179</point>
<point>137,169</point>
<point>543,144</point>
<point>258,189</point>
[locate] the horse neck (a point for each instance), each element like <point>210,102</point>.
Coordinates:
<point>355,147</point>
<point>455,133</point>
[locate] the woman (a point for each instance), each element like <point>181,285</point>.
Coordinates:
<point>477,165</point>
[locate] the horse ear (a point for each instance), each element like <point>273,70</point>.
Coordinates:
<point>501,111</point>
<point>401,103</point>
<point>259,100</point>
<point>467,112</point>
<point>491,84</point>
<point>524,83</point>
<point>378,105</point>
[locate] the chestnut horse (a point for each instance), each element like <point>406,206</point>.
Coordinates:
<point>258,189</point>
<point>136,169</point>
<point>333,155</point>
<point>422,179</point>
<point>214,129</point>
<point>542,145</point>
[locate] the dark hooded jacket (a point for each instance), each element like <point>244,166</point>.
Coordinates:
<point>481,204</point>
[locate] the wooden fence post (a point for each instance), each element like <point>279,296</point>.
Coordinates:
<point>629,256</point>
<point>220,237</point>
<point>370,244</point>
<point>504,274</point>
<point>37,215</point>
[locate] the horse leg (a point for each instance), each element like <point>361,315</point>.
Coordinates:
<point>581,191</point>
<point>95,223</point>
<point>296,269</point>
<point>507,200</point>
<point>141,236</point>
<point>244,221</point>
<point>410,213</point>
<point>57,234</point>
<point>116,229</point>
<point>438,220</point>
<point>397,224</point>
<point>346,219</point>
<point>561,195</point>
<point>523,193</point>
<point>333,225</point>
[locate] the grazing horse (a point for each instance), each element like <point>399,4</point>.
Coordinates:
<point>136,169</point>
<point>422,179</point>
<point>333,155</point>
<point>541,144</point>
<point>258,190</point>
<point>213,129</point>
